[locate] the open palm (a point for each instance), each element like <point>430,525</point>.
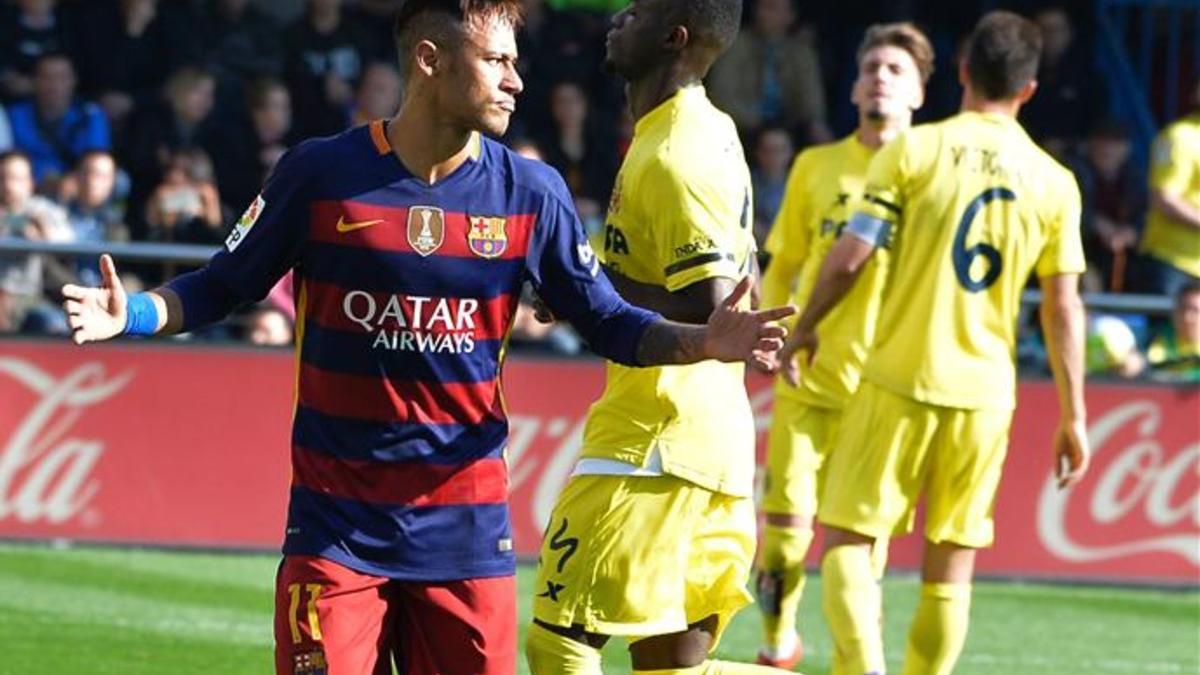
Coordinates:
<point>96,313</point>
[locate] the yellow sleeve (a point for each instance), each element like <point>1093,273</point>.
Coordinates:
<point>1168,170</point>
<point>700,228</point>
<point>1063,252</point>
<point>877,214</point>
<point>789,240</point>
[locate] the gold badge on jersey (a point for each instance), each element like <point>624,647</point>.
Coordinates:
<point>486,236</point>
<point>426,228</point>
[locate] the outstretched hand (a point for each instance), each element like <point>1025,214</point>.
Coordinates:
<point>736,334</point>
<point>96,313</point>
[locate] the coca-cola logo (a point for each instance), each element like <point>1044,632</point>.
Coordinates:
<point>1142,479</point>
<point>45,471</point>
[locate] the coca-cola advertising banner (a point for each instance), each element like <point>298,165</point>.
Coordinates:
<point>165,444</point>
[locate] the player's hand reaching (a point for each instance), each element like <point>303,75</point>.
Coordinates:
<point>1071,452</point>
<point>96,313</point>
<point>736,334</point>
<point>801,343</point>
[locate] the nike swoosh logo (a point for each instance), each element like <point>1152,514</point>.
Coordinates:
<point>343,227</point>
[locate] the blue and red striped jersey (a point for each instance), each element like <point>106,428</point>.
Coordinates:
<point>405,295</point>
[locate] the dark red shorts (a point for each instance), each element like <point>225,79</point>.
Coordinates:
<point>331,620</point>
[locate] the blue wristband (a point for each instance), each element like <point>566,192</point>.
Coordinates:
<point>141,316</point>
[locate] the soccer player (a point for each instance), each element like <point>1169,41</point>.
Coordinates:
<point>410,239</point>
<point>1171,246</point>
<point>652,538</point>
<point>894,62</point>
<point>971,206</point>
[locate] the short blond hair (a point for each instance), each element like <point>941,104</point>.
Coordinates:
<point>906,36</point>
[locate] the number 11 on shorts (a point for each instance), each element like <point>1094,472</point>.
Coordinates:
<point>314,622</point>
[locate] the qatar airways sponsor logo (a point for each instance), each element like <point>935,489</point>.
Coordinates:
<point>413,323</point>
<point>45,465</point>
<point>1141,478</point>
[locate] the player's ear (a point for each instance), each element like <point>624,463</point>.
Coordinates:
<point>678,38</point>
<point>1027,91</point>
<point>427,57</point>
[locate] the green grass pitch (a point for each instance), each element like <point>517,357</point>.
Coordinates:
<point>128,611</point>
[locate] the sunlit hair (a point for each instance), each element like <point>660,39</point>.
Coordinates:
<point>903,35</point>
<point>1002,55</point>
<point>444,22</point>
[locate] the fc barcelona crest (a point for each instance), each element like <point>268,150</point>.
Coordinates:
<point>486,236</point>
<point>426,228</point>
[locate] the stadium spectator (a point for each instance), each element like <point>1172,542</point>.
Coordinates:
<point>773,151</point>
<point>378,95</point>
<point>772,75</point>
<point>247,151</point>
<point>1175,353</point>
<point>185,207</point>
<point>266,326</point>
<point>53,128</point>
<point>24,215</point>
<point>578,148</point>
<point>27,31</point>
<point>326,51</point>
<point>1071,96</point>
<point>1113,188</point>
<point>239,43</point>
<point>129,50</point>
<point>1171,244</point>
<point>93,211</point>
<point>180,119</point>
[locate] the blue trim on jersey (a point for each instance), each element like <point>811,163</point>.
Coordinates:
<point>434,543</point>
<point>398,441</point>
<point>352,354</point>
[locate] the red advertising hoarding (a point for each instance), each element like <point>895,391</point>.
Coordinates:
<point>163,444</point>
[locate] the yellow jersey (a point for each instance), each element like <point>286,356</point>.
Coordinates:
<point>824,183</point>
<point>680,213</point>
<point>1175,169</point>
<point>972,206</point>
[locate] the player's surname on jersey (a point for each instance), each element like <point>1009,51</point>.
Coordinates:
<point>986,161</point>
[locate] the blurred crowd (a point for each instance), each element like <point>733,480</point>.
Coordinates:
<point>157,120</point>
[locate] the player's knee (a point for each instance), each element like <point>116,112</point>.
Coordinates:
<point>948,563</point>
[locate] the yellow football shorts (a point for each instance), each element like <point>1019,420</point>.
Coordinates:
<point>799,442</point>
<point>637,556</point>
<point>891,449</point>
